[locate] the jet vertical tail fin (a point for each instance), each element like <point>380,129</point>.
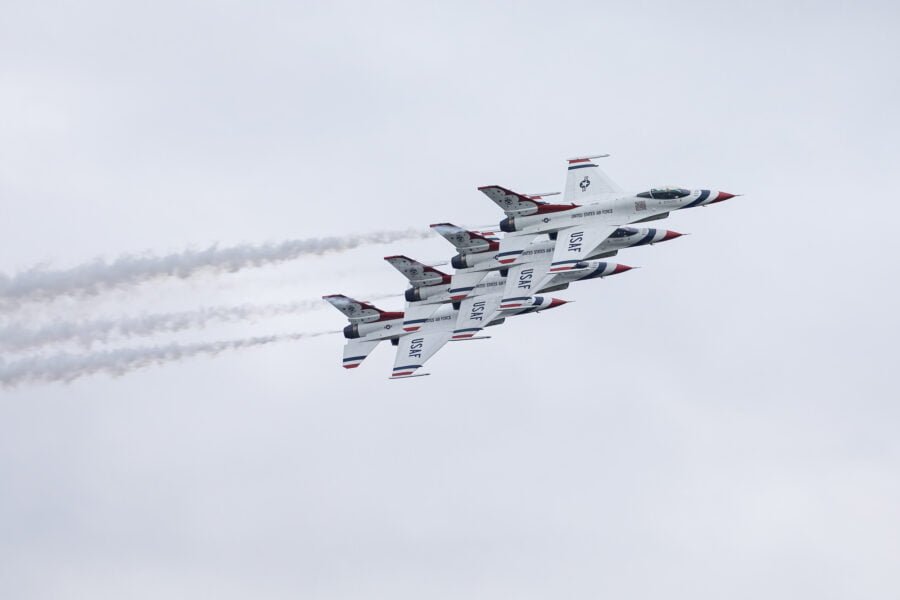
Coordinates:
<point>586,182</point>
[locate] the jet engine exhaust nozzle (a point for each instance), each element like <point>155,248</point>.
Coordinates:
<point>458,262</point>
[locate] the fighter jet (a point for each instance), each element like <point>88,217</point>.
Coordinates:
<point>478,256</point>
<point>431,287</point>
<point>546,247</point>
<point>593,208</point>
<point>370,325</point>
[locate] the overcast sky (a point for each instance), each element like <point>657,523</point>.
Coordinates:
<point>719,423</point>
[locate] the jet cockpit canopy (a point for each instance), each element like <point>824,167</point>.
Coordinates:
<point>665,193</point>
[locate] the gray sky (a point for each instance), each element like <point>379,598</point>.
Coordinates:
<point>719,423</point>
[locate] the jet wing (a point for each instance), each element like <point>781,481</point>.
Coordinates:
<point>474,315</point>
<point>414,349</point>
<point>574,244</point>
<point>522,282</point>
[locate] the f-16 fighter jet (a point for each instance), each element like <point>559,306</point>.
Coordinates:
<point>593,208</point>
<point>431,288</point>
<point>531,272</point>
<point>370,325</point>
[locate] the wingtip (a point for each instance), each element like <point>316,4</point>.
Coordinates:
<point>410,376</point>
<point>584,158</point>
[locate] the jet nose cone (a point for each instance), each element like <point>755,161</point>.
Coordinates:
<point>554,302</point>
<point>723,196</point>
<point>671,235</point>
<point>621,269</point>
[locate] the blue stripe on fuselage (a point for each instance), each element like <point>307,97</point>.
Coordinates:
<point>598,272</point>
<point>646,239</point>
<point>704,194</point>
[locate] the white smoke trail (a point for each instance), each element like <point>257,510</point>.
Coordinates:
<point>15,337</point>
<point>40,283</point>
<point>68,367</point>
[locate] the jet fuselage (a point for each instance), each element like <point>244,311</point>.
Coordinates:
<point>630,208</point>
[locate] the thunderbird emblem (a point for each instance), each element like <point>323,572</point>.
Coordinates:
<point>585,183</point>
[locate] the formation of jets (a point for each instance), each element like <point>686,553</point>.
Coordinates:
<point>545,248</point>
